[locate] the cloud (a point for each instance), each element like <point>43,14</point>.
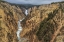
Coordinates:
<point>35,2</point>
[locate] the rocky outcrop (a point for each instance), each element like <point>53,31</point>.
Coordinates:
<point>9,16</point>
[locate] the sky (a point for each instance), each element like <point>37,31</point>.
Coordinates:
<point>34,2</point>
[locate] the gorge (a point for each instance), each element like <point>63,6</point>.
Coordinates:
<point>42,23</point>
<point>20,27</point>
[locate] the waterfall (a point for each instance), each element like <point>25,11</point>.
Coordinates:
<point>26,12</point>
<point>20,27</point>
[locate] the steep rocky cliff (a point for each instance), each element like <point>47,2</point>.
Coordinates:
<point>44,23</point>
<point>9,16</point>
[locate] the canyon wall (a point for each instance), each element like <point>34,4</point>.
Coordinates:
<point>44,23</point>
<point>9,16</point>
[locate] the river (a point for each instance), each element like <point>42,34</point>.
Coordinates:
<point>20,27</point>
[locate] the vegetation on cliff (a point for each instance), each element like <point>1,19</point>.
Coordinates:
<point>46,28</point>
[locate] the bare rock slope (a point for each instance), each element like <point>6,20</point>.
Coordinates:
<point>44,23</point>
<point>9,16</point>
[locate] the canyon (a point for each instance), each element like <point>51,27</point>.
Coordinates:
<point>42,23</point>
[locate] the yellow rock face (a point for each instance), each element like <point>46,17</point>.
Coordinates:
<point>47,15</point>
<point>44,23</point>
<point>8,22</point>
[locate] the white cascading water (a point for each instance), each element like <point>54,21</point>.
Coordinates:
<point>26,12</point>
<point>20,27</point>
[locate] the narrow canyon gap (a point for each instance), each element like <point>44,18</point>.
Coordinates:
<point>20,27</point>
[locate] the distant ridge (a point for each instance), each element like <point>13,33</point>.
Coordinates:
<point>26,6</point>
